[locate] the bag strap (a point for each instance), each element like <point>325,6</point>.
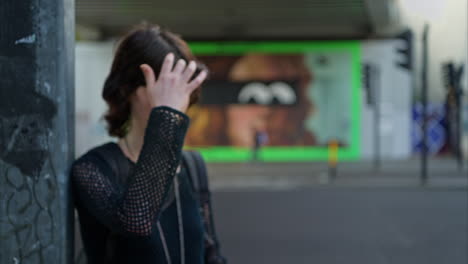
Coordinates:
<point>190,163</point>
<point>198,174</point>
<point>199,177</point>
<point>202,176</point>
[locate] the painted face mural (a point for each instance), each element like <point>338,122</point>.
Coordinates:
<point>251,93</point>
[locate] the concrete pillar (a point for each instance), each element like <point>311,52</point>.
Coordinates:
<point>36,130</point>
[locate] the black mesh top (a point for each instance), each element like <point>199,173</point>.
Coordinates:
<point>128,211</point>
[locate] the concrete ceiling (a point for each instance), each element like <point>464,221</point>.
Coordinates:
<point>244,19</point>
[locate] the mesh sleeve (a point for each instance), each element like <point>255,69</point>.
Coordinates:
<point>132,210</point>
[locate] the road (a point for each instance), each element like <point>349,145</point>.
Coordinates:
<point>345,225</point>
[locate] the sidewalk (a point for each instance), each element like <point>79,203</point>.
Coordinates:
<point>442,173</point>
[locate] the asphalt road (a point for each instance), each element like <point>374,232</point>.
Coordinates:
<point>328,225</point>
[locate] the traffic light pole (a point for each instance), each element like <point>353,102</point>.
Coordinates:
<point>424,150</point>
<point>376,88</point>
<point>36,130</point>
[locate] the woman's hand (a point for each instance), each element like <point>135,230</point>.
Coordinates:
<point>173,87</point>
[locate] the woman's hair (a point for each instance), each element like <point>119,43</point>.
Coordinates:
<point>146,44</point>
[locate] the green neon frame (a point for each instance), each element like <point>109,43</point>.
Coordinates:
<point>288,154</point>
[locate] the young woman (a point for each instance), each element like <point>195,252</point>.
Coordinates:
<point>148,212</point>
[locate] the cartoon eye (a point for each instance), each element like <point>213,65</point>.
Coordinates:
<point>283,93</point>
<point>256,91</point>
<point>264,94</point>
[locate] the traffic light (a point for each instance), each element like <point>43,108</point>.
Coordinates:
<point>405,50</point>
<point>366,81</point>
<point>452,76</point>
<point>370,75</point>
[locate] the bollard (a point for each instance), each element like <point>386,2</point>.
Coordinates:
<point>333,148</point>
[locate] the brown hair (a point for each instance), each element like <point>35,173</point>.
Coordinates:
<point>146,44</point>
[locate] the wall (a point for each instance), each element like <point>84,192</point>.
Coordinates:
<point>393,85</point>
<point>93,62</point>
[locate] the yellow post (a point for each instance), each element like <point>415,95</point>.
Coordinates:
<point>333,148</point>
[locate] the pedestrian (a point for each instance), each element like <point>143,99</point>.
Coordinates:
<point>135,202</point>
<point>260,139</point>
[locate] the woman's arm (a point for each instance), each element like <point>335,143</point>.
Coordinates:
<point>133,210</point>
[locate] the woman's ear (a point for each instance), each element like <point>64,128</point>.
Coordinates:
<point>140,97</point>
<point>138,94</point>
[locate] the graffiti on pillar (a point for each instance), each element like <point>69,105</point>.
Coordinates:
<point>23,143</point>
<point>28,180</point>
<point>35,70</point>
